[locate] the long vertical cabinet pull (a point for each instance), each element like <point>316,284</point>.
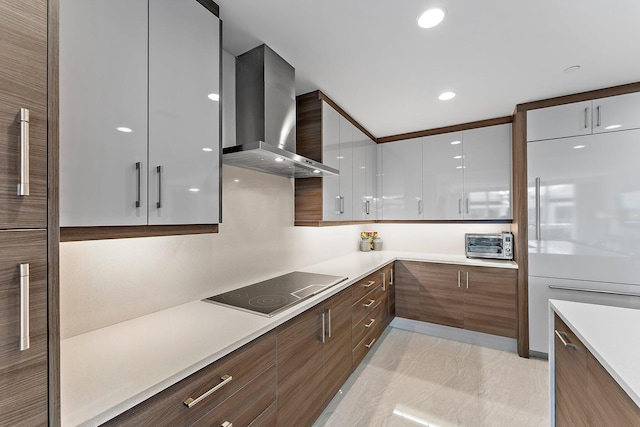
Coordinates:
<point>598,116</point>
<point>341,204</point>
<point>420,207</point>
<point>459,206</point>
<point>466,206</point>
<point>467,280</point>
<point>329,323</point>
<point>384,281</point>
<point>537,208</point>
<point>159,203</point>
<point>24,307</point>
<point>23,187</point>
<point>391,277</point>
<point>586,117</point>
<point>458,278</point>
<point>138,183</point>
<point>324,331</point>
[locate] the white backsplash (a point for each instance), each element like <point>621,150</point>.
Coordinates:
<point>110,281</point>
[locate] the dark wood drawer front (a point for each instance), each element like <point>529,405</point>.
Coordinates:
<point>406,282</point>
<point>363,347</point>
<point>366,285</point>
<point>267,418</point>
<point>367,324</point>
<point>168,408</point>
<point>247,404</point>
<point>366,305</point>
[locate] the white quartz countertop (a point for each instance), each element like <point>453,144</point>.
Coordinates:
<point>612,335</point>
<point>109,370</point>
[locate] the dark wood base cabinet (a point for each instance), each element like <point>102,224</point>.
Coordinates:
<point>585,393</point>
<point>481,299</point>
<point>286,377</point>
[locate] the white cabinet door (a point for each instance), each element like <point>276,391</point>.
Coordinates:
<point>559,122</point>
<point>442,176</point>
<point>347,131</point>
<point>616,113</point>
<point>330,157</point>
<point>402,179</point>
<point>184,123</point>
<point>371,153</point>
<point>103,112</point>
<point>487,172</point>
<point>360,206</point>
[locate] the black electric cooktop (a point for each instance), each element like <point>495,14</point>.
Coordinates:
<point>274,295</point>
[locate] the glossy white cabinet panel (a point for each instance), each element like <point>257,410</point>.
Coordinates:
<point>330,157</point>
<point>184,69</point>
<point>347,134</point>
<point>559,122</point>
<point>442,176</point>
<point>589,193</point>
<point>487,172</point>
<point>616,113</point>
<point>371,153</point>
<point>360,176</point>
<point>402,180</point>
<point>542,289</point>
<point>103,87</point>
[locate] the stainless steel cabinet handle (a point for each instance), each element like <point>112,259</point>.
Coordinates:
<point>370,324</point>
<point>338,205</point>
<point>190,402</point>
<point>537,208</point>
<point>159,171</point>
<point>562,336</point>
<point>24,307</point>
<point>467,280</point>
<point>466,206</point>
<point>371,343</point>
<point>371,283</point>
<point>586,117</point>
<point>371,302</point>
<point>420,207</point>
<point>598,115</point>
<point>138,183</point>
<point>23,187</point>
<point>226,424</point>
<point>329,319</point>
<point>391,277</point>
<point>324,331</point>
<point>458,278</point>
<point>341,204</point>
<point>384,282</point>
<point>459,206</point>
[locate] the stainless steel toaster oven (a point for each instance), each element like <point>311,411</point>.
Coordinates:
<point>489,245</point>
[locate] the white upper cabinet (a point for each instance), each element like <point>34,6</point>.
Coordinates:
<point>103,112</point>
<point>402,180</point>
<point>331,157</point>
<point>616,113</point>
<point>487,172</point>
<point>184,122</point>
<point>442,176</point>
<point>610,114</point>
<point>347,131</point>
<point>136,82</point>
<point>364,177</point>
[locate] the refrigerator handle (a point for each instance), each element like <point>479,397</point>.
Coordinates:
<point>538,208</point>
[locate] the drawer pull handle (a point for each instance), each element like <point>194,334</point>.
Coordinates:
<point>371,343</point>
<point>371,302</point>
<point>384,281</point>
<point>370,324</point>
<point>190,402</point>
<point>370,284</point>
<point>226,424</point>
<point>23,187</point>
<point>562,336</point>
<point>24,307</point>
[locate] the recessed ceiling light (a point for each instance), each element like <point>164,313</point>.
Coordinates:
<point>572,69</point>
<point>340,157</point>
<point>207,149</point>
<point>445,96</point>
<point>214,97</point>
<point>455,142</point>
<point>613,127</point>
<point>431,17</point>
<point>125,130</point>
<point>460,167</point>
<point>194,190</point>
<point>577,147</point>
<point>236,180</point>
<point>279,159</point>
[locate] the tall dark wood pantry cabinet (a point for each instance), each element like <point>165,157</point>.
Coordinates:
<point>28,214</point>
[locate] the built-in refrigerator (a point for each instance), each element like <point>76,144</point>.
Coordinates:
<point>584,224</point>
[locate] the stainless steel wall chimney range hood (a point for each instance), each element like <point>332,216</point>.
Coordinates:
<point>266,118</point>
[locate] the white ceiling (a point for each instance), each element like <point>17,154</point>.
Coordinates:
<point>371,58</point>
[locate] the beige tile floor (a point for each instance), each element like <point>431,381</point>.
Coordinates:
<point>419,380</point>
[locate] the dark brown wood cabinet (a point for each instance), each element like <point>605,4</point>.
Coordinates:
<point>337,345</point>
<point>28,216</point>
<point>481,299</point>
<point>585,393</point>
<point>236,389</point>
